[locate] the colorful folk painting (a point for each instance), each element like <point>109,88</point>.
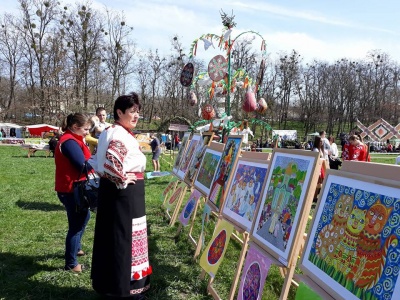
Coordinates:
<point>245,192</point>
<point>170,187</point>
<point>207,170</point>
<point>254,273</point>
<point>186,159</point>
<point>283,198</point>
<point>189,207</point>
<point>215,251</point>
<point>175,196</point>
<point>181,151</point>
<point>354,241</point>
<point>197,158</point>
<point>225,168</point>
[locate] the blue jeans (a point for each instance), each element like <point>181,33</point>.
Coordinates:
<point>76,227</point>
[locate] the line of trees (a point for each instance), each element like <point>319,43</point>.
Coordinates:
<point>55,59</point>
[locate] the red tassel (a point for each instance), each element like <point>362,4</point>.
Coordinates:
<point>136,276</point>
<point>149,270</point>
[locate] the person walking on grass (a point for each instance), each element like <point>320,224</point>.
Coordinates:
<point>156,150</point>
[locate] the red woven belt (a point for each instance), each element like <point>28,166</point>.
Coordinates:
<point>139,175</point>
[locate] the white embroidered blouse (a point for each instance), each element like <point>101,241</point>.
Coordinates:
<point>118,153</point>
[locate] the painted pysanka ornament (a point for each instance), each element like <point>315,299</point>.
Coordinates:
<point>217,248</point>
<point>261,105</point>
<point>250,103</point>
<point>192,98</point>
<point>187,74</point>
<point>207,112</point>
<point>217,68</point>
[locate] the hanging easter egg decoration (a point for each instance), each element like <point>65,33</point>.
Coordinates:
<point>250,103</point>
<point>192,98</point>
<point>207,112</point>
<point>261,105</point>
<point>217,68</point>
<point>187,74</point>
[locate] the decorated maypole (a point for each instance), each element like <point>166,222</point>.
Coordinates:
<point>223,80</point>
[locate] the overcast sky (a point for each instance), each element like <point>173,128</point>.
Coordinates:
<point>326,30</point>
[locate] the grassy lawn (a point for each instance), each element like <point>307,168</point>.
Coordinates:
<point>33,226</point>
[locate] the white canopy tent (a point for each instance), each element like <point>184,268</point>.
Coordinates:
<point>12,130</point>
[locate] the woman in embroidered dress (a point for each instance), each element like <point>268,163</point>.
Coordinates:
<point>120,265</point>
<point>70,154</point>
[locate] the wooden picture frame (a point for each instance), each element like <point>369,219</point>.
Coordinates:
<point>208,168</point>
<point>187,157</point>
<point>198,154</point>
<point>286,202</point>
<point>182,149</point>
<point>221,181</point>
<point>246,189</point>
<point>360,213</point>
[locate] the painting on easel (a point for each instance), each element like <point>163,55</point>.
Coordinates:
<point>222,176</point>
<point>245,192</point>
<point>207,169</point>
<point>181,151</point>
<point>186,159</point>
<point>288,182</point>
<point>198,157</point>
<point>353,246</point>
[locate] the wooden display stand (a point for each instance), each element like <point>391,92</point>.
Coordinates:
<point>178,202</point>
<point>244,243</point>
<point>171,191</point>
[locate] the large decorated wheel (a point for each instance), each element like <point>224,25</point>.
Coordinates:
<point>189,208</point>
<point>217,248</point>
<point>187,74</point>
<point>252,282</point>
<point>217,68</point>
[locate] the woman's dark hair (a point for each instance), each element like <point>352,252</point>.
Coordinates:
<point>318,143</point>
<point>124,102</point>
<point>76,118</point>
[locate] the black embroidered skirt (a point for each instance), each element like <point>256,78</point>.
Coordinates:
<point>120,264</point>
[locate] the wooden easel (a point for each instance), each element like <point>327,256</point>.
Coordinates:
<point>178,202</point>
<point>172,189</point>
<point>244,243</point>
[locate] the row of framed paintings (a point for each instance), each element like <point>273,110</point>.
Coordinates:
<point>352,248</point>
<point>267,198</point>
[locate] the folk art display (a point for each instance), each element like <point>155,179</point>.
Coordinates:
<point>187,74</point>
<point>245,192</point>
<point>181,151</point>
<point>187,211</point>
<point>197,158</point>
<point>288,180</point>
<point>213,254</point>
<point>254,273</point>
<point>170,203</point>
<point>207,170</point>
<point>170,187</point>
<point>224,170</point>
<point>186,159</point>
<point>352,250</point>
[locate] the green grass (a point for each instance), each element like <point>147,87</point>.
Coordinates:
<point>33,226</point>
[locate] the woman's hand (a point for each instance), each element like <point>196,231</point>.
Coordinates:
<point>131,178</point>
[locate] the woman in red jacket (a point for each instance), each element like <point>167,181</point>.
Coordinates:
<point>70,154</point>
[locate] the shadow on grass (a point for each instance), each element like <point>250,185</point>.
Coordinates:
<point>43,206</point>
<point>29,277</point>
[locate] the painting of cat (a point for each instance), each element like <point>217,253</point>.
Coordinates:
<point>371,254</point>
<point>345,254</point>
<point>330,235</point>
